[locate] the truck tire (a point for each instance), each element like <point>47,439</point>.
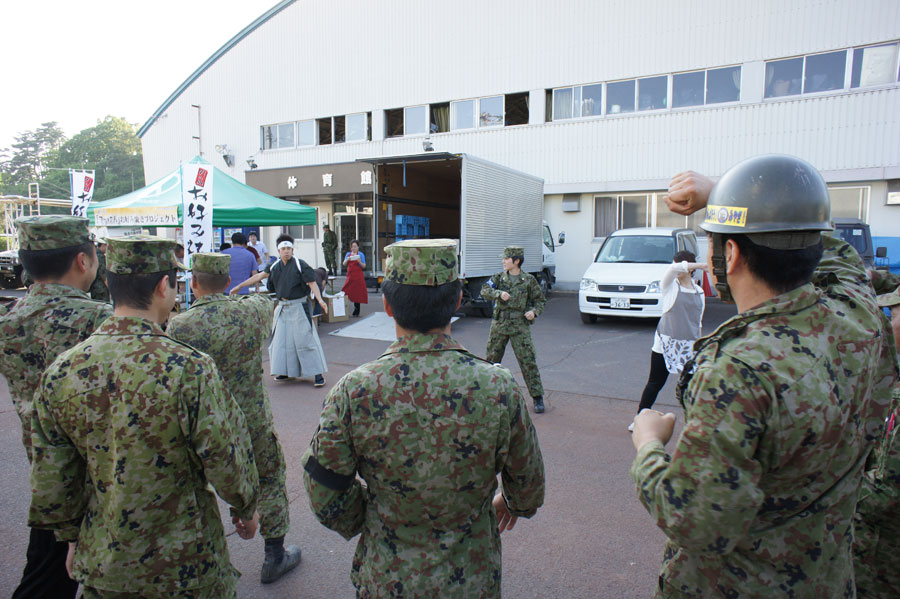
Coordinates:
<point>588,318</point>
<point>544,282</point>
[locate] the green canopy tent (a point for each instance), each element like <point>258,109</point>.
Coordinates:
<point>234,203</point>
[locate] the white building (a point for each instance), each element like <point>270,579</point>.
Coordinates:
<point>604,101</point>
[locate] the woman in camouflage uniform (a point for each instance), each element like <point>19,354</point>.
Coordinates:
<point>518,300</point>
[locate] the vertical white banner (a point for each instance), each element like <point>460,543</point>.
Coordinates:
<point>197,209</point>
<point>82,191</point>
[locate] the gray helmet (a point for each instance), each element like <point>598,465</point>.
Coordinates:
<point>778,201</point>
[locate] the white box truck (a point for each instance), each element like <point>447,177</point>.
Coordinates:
<point>484,205</point>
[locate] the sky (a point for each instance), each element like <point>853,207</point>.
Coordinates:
<point>75,62</point>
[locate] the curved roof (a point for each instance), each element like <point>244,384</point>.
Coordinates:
<point>209,61</point>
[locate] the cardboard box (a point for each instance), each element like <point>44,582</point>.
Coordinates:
<point>330,302</point>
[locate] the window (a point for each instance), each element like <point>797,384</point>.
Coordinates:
<point>563,103</point>
<point>303,231</point>
<point>440,117</point>
<point>634,210</point>
<point>462,114</point>
<point>490,112</point>
<point>324,126</point>
<point>664,216</point>
<point>592,100</point>
<point>604,215</point>
<point>824,72</point>
<point>620,97</point>
<point>277,136</point>
<point>652,94</point>
<point>306,133</point>
<point>516,109</point>
<point>357,127</point>
<point>415,120</point>
<point>688,88</point>
<point>339,126</point>
<point>723,85</point>
<point>875,65</point>
<point>393,120</point>
<point>783,77</point>
<point>849,202</point>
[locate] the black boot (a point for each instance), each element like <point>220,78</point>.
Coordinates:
<point>355,309</point>
<point>538,405</point>
<point>279,560</point>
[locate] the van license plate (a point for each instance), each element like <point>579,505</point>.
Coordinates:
<point>621,303</point>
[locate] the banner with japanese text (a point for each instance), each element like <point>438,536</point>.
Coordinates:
<point>82,191</point>
<point>196,186</point>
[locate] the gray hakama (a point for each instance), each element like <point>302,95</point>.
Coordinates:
<point>295,349</point>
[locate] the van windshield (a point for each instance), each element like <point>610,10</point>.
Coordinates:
<point>643,249</point>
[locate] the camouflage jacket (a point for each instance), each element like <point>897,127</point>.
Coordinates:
<point>130,429</point>
<point>525,294</point>
<point>427,426</point>
<point>330,242</point>
<point>40,326</point>
<point>784,405</point>
<point>99,291</point>
<point>877,523</point>
<point>232,331</point>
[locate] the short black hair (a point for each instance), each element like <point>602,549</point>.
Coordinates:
<point>210,282</point>
<point>254,233</point>
<point>684,256</point>
<point>421,307</point>
<point>518,260</point>
<point>238,239</point>
<point>782,270</point>
<point>356,241</point>
<point>45,265</point>
<point>224,246</point>
<point>136,291</point>
<point>284,237</point>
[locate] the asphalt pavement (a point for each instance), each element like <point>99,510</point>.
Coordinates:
<point>591,540</point>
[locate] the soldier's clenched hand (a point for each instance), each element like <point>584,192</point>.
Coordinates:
<point>529,315</point>
<point>688,192</point>
<point>652,425</point>
<point>505,520</point>
<point>246,528</point>
<point>504,296</point>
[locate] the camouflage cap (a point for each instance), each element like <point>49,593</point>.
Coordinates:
<point>513,251</point>
<point>887,300</point>
<point>422,262</point>
<point>141,255</point>
<point>52,232</point>
<point>211,263</point>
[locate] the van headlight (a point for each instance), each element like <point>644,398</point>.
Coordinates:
<point>653,287</point>
<point>588,285</point>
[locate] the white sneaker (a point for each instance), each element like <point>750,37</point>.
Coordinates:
<point>631,427</point>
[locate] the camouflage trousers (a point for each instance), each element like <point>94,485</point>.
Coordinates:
<point>330,261</point>
<point>875,559</point>
<point>225,588</point>
<point>274,517</point>
<point>520,336</point>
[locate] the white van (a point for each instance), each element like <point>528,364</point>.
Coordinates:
<point>624,278</point>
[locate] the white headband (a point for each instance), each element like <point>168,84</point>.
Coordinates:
<point>285,244</point>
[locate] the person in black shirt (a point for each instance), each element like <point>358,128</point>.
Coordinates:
<point>295,349</point>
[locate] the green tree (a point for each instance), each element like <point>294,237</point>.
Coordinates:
<point>111,149</point>
<point>29,157</point>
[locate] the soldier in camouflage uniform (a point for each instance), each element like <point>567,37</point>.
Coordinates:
<point>99,291</point>
<point>518,300</point>
<point>782,404</point>
<point>427,426</point>
<point>876,542</point>
<point>55,315</point>
<point>130,430</point>
<point>232,331</point>
<point>329,247</point>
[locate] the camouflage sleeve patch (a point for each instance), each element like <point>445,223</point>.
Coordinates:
<point>522,468</point>
<point>58,473</point>
<point>706,495</point>
<point>336,496</point>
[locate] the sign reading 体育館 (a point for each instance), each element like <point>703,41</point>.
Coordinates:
<point>137,216</point>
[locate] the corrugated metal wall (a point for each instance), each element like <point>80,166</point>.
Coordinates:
<point>321,58</point>
<point>502,208</point>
